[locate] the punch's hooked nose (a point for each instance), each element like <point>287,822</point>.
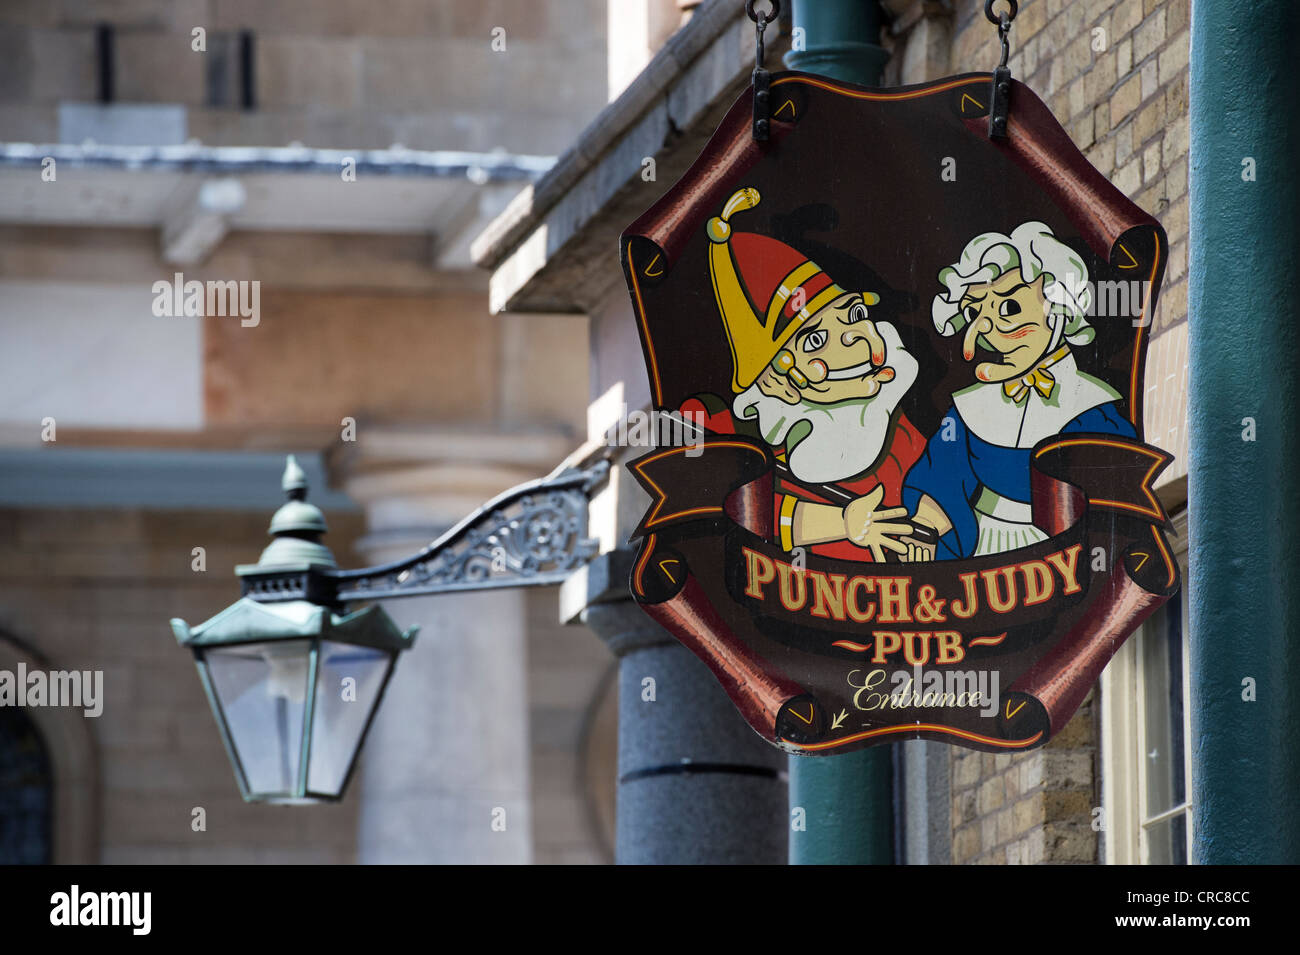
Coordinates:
<point>784,363</point>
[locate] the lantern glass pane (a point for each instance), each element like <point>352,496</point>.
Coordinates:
<point>350,680</point>
<point>262,689</point>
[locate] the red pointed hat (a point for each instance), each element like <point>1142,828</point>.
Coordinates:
<point>765,290</point>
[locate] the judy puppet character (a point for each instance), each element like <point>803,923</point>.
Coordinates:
<point>1019,302</point>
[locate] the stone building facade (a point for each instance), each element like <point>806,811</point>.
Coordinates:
<point>169,431</point>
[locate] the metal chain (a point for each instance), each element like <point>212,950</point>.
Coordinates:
<point>761,79</point>
<point>764,20</point>
<point>996,19</point>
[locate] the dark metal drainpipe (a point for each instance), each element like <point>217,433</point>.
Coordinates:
<point>847,800</point>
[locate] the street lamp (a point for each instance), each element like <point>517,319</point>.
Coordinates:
<point>294,679</point>
<point>294,685</point>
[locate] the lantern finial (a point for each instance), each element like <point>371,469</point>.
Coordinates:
<point>297,526</point>
<point>294,481</point>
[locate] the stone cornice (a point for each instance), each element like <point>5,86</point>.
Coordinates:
<point>543,246</point>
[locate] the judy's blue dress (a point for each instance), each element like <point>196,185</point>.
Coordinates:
<point>979,476</point>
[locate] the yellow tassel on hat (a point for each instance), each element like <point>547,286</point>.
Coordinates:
<point>719,228</point>
<point>752,345</point>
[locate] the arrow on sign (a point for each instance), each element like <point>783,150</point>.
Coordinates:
<point>839,720</point>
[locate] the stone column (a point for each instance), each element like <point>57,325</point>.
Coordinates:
<point>444,774</point>
<point>447,755</point>
<point>696,784</point>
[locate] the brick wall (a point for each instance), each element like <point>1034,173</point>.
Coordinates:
<point>1122,95</point>
<point>1028,808</point>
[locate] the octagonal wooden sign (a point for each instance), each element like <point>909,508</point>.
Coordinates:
<point>909,495</point>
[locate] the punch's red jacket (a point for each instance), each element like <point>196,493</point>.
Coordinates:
<point>904,446</point>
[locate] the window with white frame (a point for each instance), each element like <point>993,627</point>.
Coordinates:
<point>1146,737</point>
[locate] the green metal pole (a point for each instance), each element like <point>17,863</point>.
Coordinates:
<point>846,801</point>
<point>1244,454</point>
<point>839,39</point>
<point>848,808</point>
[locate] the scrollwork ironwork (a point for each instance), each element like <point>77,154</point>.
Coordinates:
<point>531,535</point>
<point>533,539</point>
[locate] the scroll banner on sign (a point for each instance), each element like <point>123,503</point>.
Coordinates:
<point>967,651</point>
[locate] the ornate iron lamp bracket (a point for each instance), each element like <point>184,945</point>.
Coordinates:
<point>529,536</point>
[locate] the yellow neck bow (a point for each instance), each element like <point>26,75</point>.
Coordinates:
<point>1038,379</point>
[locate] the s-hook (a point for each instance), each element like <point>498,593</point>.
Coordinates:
<point>1001,102</point>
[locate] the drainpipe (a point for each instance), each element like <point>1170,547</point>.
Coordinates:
<point>1244,447</point>
<point>847,800</point>
<point>840,38</point>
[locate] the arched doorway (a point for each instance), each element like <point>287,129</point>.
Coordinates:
<point>53,744</point>
<point>26,792</point>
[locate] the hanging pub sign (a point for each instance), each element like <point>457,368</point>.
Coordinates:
<point>903,333</point>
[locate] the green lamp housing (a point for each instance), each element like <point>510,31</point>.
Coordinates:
<point>294,685</point>
<point>294,688</point>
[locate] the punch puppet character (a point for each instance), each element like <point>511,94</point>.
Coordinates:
<point>1019,302</point>
<point>820,379</point>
